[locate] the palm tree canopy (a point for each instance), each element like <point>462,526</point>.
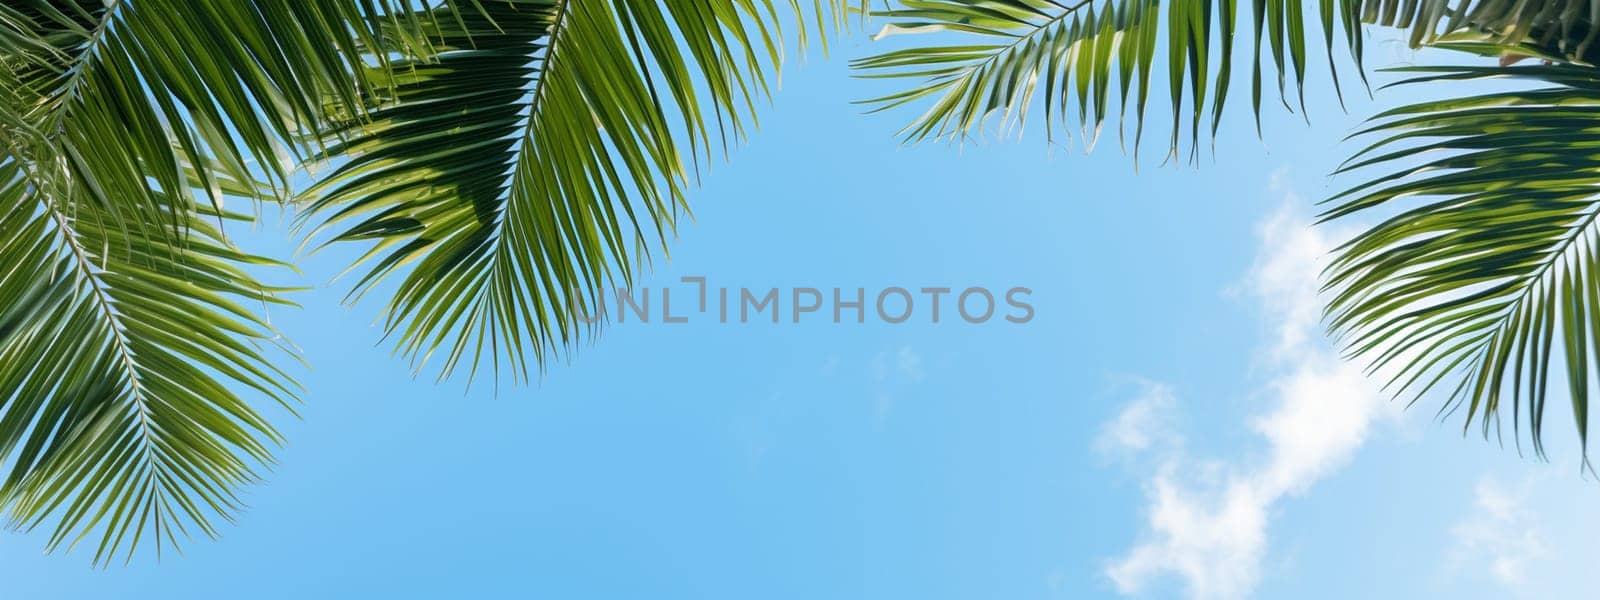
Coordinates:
<point>505,161</point>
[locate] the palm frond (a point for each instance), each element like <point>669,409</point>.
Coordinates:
<point>1486,278</point>
<point>123,356</point>
<point>1564,28</point>
<point>117,96</point>
<point>128,331</point>
<point>1007,57</point>
<point>534,157</point>
<point>999,60</point>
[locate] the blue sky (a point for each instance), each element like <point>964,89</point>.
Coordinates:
<point>1170,424</point>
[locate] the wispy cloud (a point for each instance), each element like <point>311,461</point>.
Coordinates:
<point>1207,521</point>
<point>1143,424</point>
<point>1501,536</point>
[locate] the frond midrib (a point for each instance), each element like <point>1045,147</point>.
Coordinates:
<point>535,102</point>
<point>1540,277</point>
<point>1019,40</point>
<point>126,360</point>
<point>490,299</point>
<point>83,61</point>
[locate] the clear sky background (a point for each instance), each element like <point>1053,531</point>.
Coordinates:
<point>1172,424</point>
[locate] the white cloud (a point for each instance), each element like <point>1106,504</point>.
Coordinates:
<point>1211,533</point>
<point>1143,423</point>
<point>1501,536</point>
<point>1208,521</point>
<point>1529,531</point>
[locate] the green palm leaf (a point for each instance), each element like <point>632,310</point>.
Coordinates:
<point>115,97</point>
<point>1009,57</point>
<point>128,337</point>
<point>123,356</point>
<point>534,157</point>
<point>1000,60</point>
<point>1482,285</point>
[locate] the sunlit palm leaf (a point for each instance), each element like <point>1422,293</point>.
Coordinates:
<point>535,157</point>
<point>1483,285</point>
<point>128,327</point>
<point>123,356</point>
<point>999,60</point>
<point>113,96</point>
<point>1009,56</point>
